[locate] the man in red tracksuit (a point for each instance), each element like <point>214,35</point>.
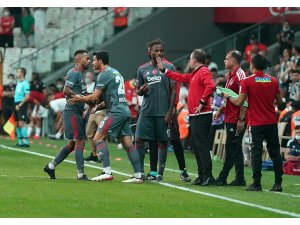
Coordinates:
<point>201,88</point>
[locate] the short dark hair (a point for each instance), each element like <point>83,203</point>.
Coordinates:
<point>200,55</point>
<point>297,48</point>
<point>259,62</point>
<point>23,70</point>
<point>103,55</point>
<point>11,75</point>
<point>80,51</point>
<point>156,41</point>
<point>294,71</point>
<point>237,55</point>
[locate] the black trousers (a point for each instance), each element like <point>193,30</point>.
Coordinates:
<point>200,126</point>
<point>257,135</point>
<point>234,153</point>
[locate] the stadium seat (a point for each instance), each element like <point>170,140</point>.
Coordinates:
<point>28,51</point>
<point>97,13</point>
<point>79,43</point>
<point>43,62</point>
<point>83,14</point>
<point>68,12</point>
<point>12,53</point>
<point>61,55</point>
<point>53,16</point>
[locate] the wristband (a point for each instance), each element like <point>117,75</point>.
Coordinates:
<point>163,70</point>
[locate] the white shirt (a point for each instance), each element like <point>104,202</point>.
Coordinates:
<point>58,105</point>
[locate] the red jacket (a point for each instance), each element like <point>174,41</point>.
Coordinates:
<point>201,88</point>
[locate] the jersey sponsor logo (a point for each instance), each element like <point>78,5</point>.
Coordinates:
<point>262,79</point>
<point>154,79</point>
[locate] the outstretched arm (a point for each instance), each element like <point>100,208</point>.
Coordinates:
<point>86,99</point>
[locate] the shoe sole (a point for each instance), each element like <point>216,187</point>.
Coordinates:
<point>107,179</point>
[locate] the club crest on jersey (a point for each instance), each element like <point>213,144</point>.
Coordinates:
<point>262,79</point>
<point>154,71</point>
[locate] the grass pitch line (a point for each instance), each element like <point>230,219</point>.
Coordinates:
<point>279,211</point>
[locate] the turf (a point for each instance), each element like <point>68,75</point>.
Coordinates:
<point>26,191</point>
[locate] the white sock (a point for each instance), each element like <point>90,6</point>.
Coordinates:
<point>137,175</point>
<point>107,170</point>
<point>58,135</point>
<point>29,130</point>
<point>38,131</point>
<point>80,175</point>
<point>51,166</point>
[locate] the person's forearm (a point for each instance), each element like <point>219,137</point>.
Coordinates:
<point>243,110</point>
<point>24,100</point>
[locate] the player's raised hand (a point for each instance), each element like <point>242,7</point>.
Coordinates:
<point>144,89</point>
<point>159,63</point>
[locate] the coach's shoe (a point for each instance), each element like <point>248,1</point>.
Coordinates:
<point>237,183</point>
<point>50,172</point>
<point>103,176</point>
<point>150,177</point>
<point>276,188</point>
<point>84,177</point>
<point>25,146</point>
<point>133,180</point>
<point>184,176</point>
<point>254,187</point>
<point>220,182</point>
<point>19,145</point>
<point>198,181</point>
<point>91,158</point>
<point>208,181</point>
<point>159,178</point>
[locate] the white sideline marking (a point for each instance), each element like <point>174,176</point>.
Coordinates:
<point>279,211</point>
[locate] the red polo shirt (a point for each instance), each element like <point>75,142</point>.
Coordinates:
<point>131,96</point>
<point>6,23</point>
<point>231,111</point>
<point>261,90</point>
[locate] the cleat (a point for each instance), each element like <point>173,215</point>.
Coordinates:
<point>91,158</point>
<point>25,145</point>
<point>50,172</point>
<point>134,180</point>
<point>36,137</point>
<point>237,183</point>
<point>19,145</point>
<point>150,177</point>
<point>184,176</point>
<point>103,176</point>
<point>254,187</point>
<point>84,177</point>
<point>159,178</point>
<point>276,188</point>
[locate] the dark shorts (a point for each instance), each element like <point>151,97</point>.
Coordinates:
<point>152,128</point>
<point>294,153</point>
<point>21,115</point>
<point>74,125</point>
<point>115,126</point>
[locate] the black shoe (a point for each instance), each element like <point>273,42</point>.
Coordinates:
<point>276,188</point>
<point>19,145</point>
<point>25,145</point>
<point>254,187</point>
<point>184,176</point>
<point>50,172</point>
<point>159,178</point>
<point>208,181</point>
<point>198,181</point>
<point>237,183</point>
<point>150,177</point>
<point>84,177</point>
<point>91,158</point>
<point>220,182</point>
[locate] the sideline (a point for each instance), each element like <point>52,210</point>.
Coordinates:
<point>279,211</point>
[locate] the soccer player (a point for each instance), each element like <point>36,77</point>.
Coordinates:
<point>72,117</point>
<point>156,110</point>
<point>21,98</point>
<point>110,85</point>
<point>261,90</point>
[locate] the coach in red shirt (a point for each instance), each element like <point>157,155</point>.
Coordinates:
<point>234,118</point>
<point>262,90</point>
<point>201,88</point>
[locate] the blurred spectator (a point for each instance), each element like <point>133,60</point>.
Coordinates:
<point>183,122</point>
<point>285,37</point>
<point>120,19</point>
<point>132,101</point>
<point>283,71</point>
<point>295,118</point>
<point>39,14</point>
<point>219,122</point>
<point>295,64</point>
<point>35,99</point>
<point>52,89</point>
<point>7,23</point>
<point>59,88</point>
<point>89,80</point>
<point>254,47</point>
<point>183,93</point>
<point>293,91</point>
<point>294,146</point>
<point>57,105</point>
<point>8,96</point>
<point>37,85</point>
<point>27,27</point>
<point>214,73</point>
<point>210,64</point>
